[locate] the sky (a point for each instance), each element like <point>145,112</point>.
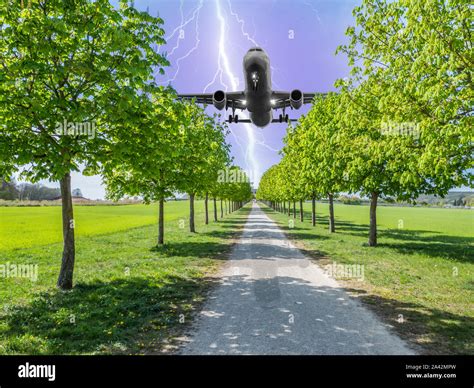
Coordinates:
<point>206,43</point>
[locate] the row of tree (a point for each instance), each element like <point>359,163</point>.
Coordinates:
<point>401,125</point>
<point>69,65</point>
<point>11,190</point>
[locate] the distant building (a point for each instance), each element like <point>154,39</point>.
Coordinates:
<point>75,199</point>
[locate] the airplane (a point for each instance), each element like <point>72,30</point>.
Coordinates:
<point>258,97</point>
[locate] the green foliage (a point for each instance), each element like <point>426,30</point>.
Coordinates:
<point>204,153</point>
<point>401,125</point>
<point>270,188</point>
<point>79,62</point>
<point>416,59</point>
<point>8,189</point>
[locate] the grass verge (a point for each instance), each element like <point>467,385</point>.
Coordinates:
<point>419,280</point>
<point>130,297</point>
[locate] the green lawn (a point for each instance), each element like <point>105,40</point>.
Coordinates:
<point>420,278</point>
<point>32,226</point>
<point>129,296</point>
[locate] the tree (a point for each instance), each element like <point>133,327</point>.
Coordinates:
<point>289,174</point>
<point>67,65</point>
<point>233,185</point>
<point>270,189</point>
<point>147,156</point>
<point>239,189</point>
<point>36,192</point>
<point>323,162</point>
<point>206,153</point>
<point>8,189</point>
<point>77,193</point>
<point>416,72</point>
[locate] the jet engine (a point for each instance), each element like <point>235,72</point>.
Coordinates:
<point>219,99</point>
<point>296,98</point>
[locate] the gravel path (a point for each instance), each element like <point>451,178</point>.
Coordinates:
<point>273,300</point>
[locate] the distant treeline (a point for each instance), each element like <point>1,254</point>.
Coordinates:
<point>453,198</point>
<point>12,190</point>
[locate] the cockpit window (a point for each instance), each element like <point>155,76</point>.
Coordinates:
<point>256,49</point>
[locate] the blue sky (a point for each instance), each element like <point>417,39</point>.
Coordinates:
<point>206,42</point>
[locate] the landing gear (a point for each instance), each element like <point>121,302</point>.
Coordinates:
<point>283,118</point>
<point>233,119</point>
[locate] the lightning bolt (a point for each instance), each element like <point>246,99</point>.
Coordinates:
<point>247,35</point>
<point>224,75</point>
<point>314,10</point>
<point>224,67</point>
<point>195,16</point>
<point>179,28</point>
<point>242,25</point>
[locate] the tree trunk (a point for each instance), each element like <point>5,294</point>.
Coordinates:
<point>215,209</point>
<point>192,228</point>
<point>373,220</point>
<point>332,226</point>
<point>313,210</point>
<point>161,222</point>
<point>222,210</point>
<point>294,209</point>
<point>69,253</point>
<point>206,202</point>
<point>301,210</point>
<point>289,208</point>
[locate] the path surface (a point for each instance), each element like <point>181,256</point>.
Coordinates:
<point>273,300</point>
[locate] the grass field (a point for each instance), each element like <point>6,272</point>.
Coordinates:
<point>420,279</point>
<point>129,296</point>
<point>28,227</point>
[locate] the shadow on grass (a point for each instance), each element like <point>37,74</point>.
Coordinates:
<point>268,233</point>
<point>436,331</point>
<point>137,314</point>
<point>111,317</point>
<point>449,247</point>
<point>193,249</point>
<point>427,242</point>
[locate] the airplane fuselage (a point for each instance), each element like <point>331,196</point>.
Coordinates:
<point>258,98</point>
<point>258,86</point>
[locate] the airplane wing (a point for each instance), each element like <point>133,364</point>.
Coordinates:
<point>203,98</point>
<point>278,121</point>
<point>248,121</point>
<point>282,98</point>
<point>234,100</point>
